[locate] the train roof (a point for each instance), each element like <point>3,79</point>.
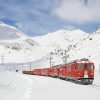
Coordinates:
<point>83,60</point>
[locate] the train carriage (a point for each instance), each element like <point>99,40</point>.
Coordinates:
<point>36,72</point>
<point>51,72</point>
<point>84,72</point>
<point>45,72</point>
<point>80,71</point>
<point>54,71</point>
<point>63,71</point>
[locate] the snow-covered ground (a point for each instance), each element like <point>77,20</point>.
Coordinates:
<point>14,86</point>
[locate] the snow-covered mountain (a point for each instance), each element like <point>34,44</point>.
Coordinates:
<point>61,38</point>
<point>8,32</point>
<point>16,47</point>
<point>89,48</point>
<point>59,41</point>
<point>79,43</point>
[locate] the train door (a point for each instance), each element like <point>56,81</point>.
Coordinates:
<point>68,70</point>
<point>73,70</point>
<point>76,70</point>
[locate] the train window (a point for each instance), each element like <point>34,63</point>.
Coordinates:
<point>80,67</point>
<point>90,67</point>
<point>69,68</point>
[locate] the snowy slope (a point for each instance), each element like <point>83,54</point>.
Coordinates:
<point>59,41</point>
<point>61,38</point>
<point>16,47</point>
<point>8,32</point>
<point>82,45</point>
<point>20,48</point>
<point>89,48</point>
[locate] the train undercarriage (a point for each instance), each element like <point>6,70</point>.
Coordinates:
<point>84,81</point>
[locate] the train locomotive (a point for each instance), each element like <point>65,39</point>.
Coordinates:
<point>78,71</point>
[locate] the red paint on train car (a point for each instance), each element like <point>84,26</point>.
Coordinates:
<point>77,71</point>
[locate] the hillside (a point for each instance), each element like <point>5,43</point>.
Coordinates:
<point>16,47</point>
<point>21,48</point>
<point>61,39</point>
<point>89,48</point>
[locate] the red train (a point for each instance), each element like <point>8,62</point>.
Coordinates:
<point>80,71</point>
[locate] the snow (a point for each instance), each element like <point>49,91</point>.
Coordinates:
<point>17,50</point>
<point>15,86</point>
<point>89,48</point>
<point>9,32</point>
<point>22,48</point>
<point>18,47</point>
<point>61,38</point>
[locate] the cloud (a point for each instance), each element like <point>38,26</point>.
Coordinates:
<point>43,16</point>
<point>30,16</point>
<point>79,11</point>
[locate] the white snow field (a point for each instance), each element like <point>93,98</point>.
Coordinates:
<point>15,86</point>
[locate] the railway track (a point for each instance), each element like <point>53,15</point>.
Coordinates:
<point>95,86</point>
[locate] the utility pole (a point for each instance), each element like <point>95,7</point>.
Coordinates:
<point>30,66</point>
<point>50,59</point>
<point>65,56</point>
<point>30,63</point>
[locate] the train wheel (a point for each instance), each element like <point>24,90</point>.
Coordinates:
<point>76,81</point>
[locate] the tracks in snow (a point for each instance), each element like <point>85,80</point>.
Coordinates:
<point>95,86</point>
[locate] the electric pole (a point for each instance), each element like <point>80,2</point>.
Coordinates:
<point>65,56</point>
<point>30,66</point>
<point>51,62</point>
<point>50,59</point>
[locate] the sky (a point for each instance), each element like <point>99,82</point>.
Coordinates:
<point>38,17</point>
